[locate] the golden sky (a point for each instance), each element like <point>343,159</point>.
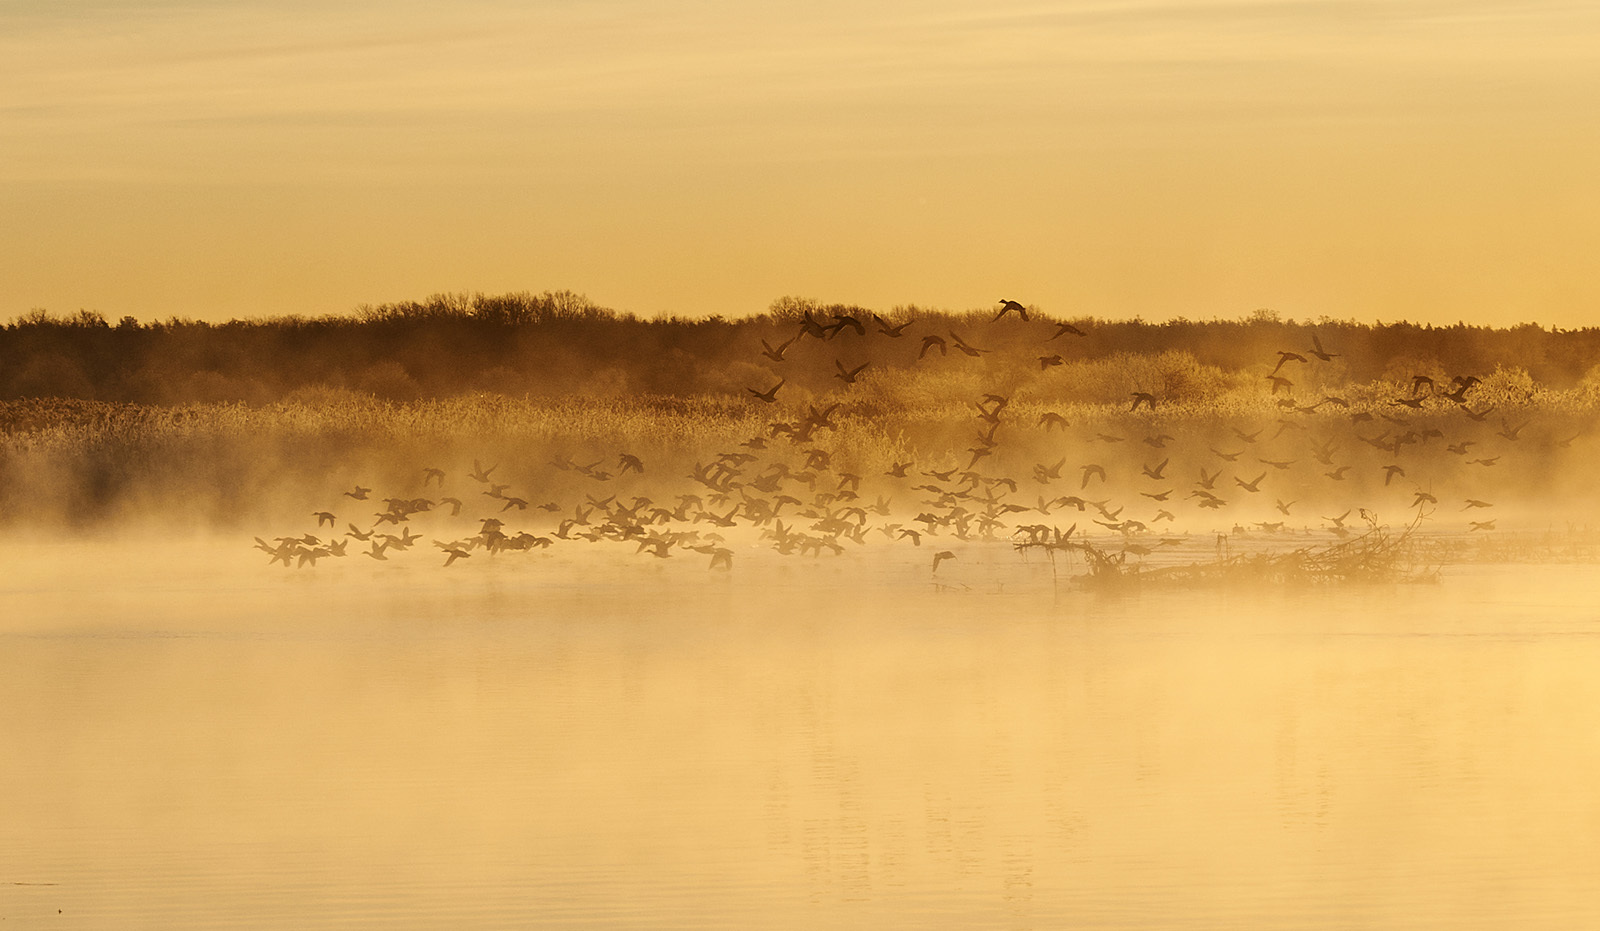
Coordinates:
<point>1370,159</point>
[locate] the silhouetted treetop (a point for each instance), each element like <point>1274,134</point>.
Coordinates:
<point>561,343</point>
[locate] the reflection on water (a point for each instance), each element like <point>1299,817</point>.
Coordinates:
<point>207,745</point>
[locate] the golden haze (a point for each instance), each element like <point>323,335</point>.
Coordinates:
<point>1421,160</point>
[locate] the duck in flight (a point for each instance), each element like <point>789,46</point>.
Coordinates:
<point>849,375</point>
<point>1012,307</point>
<point>770,395</point>
<point>962,345</point>
<point>1250,486</point>
<point>775,353</point>
<point>1286,357</point>
<point>893,332</point>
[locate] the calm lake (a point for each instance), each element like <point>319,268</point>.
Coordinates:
<point>189,739</point>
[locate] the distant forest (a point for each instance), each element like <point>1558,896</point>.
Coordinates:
<point>559,343</point>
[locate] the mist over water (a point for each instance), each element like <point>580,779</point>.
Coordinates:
<point>1123,639</point>
<point>195,743</point>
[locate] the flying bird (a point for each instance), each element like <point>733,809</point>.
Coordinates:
<point>775,353</point>
<point>1009,307</point>
<point>849,375</point>
<point>840,321</point>
<point>771,394</point>
<point>963,346</point>
<point>1285,357</point>
<point>893,332</point>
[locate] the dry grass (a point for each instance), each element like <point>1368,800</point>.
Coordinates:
<point>238,465</point>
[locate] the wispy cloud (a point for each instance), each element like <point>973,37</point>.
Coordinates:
<point>634,71</point>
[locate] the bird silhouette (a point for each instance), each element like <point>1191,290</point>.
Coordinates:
<point>775,353</point>
<point>893,332</point>
<point>770,395</point>
<point>843,321</point>
<point>849,375</point>
<point>1010,307</point>
<point>1508,431</point>
<point>1285,357</point>
<point>963,346</point>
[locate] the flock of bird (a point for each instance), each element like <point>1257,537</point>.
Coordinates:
<point>1131,484</point>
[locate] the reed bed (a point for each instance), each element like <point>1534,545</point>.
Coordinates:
<point>247,424</point>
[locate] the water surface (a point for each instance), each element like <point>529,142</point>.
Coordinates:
<point>203,742</point>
